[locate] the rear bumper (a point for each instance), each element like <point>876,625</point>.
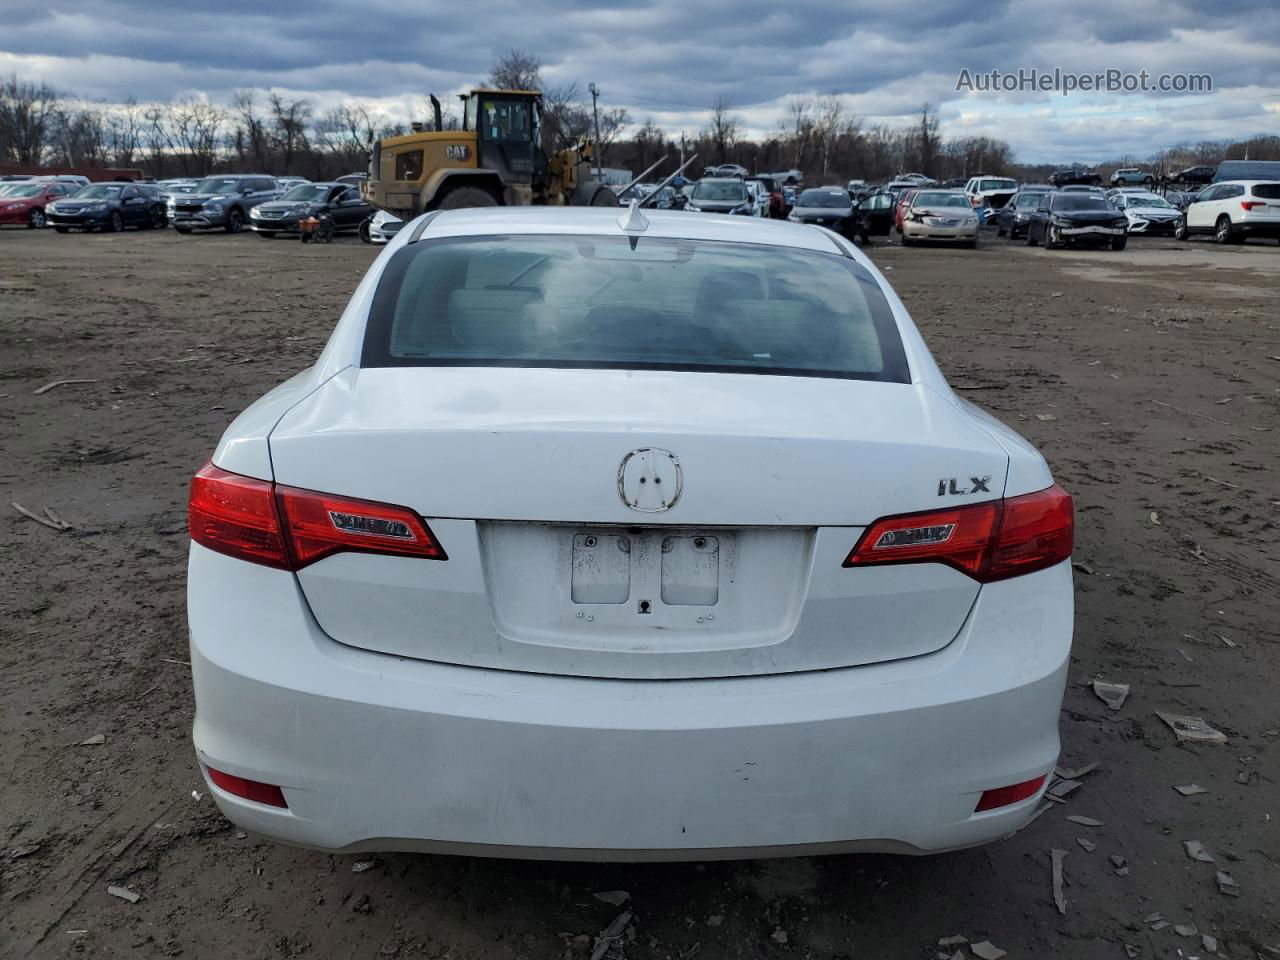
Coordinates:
<point>376,752</point>
<point>1259,228</point>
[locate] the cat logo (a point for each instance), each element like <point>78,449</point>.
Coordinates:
<point>458,151</point>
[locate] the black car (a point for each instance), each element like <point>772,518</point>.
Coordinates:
<point>108,206</point>
<point>1074,176</point>
<point>875,213</point>
<point>828,207</point>
<point>955,183</point>
<point>1077,218</point>
<point>341,201</point>
<point>1013,217</point>
<point>1194,175</point>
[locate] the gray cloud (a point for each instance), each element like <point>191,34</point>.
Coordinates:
<point>672,58</point>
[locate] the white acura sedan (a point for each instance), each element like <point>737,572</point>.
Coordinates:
<point>636,537</point>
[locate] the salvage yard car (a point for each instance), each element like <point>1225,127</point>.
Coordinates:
<point>721,195</point>
<point>638,537</point>
<point>24,202</point>
<point>1077,218</point>
<point>1148,213</point>
<point>108,206</point>
<point>341,201</point>
<point>828,207</point>
<point>223,201</point>
<point>993,192</point>
<point>1013,217</point>
<point>943,215</point>
<point>1233,212</point>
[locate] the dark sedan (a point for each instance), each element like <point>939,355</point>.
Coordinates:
<point>1013,217</point>
<point>341,201</point>
<point>1196,176</point>
<point>828,207</point>
<point>720,195</point>
<point>1074,176</point>
<point>108,206</point>
<point>1080,219</point>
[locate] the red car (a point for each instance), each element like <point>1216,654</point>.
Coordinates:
<point>900,208</point>
<point>23,201</point>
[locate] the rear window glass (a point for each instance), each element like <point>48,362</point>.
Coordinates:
<point>632,303</point>
<point>1267,191</point>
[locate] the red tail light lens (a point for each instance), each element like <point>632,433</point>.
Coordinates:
<point>1250,204</point>
<point>267,793</point>
<point>287,528</point>
<point>319,525</point>
<point>987,541</point>
<point>1003,796</point>
<point>236,515</point>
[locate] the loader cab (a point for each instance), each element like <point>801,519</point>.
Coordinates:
<point>507,124</point>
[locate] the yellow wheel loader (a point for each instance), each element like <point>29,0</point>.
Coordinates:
<point>495,159</point>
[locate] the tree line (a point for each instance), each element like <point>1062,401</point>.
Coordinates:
<point>268,132</point>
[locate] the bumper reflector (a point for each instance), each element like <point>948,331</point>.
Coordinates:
<point>1003,796</point>
<point>267,793</point>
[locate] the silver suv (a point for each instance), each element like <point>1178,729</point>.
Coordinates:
<point>221,201</point>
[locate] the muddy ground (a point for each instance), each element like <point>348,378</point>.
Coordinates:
<point>1148,378</point>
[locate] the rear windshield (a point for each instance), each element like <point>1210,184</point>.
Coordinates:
<point>823,198</point>
<point>1267,191</point>
<point>642,303</point>
<point>1080,201</point>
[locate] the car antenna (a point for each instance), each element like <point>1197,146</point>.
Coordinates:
<point>633,221</point>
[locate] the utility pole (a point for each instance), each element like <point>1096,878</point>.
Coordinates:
<point>595,110</point>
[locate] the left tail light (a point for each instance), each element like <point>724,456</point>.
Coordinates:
<point>987,541</point>
<point>288,528</point>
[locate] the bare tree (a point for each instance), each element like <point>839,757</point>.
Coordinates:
<point>251,140</point>
<point>723,131</point>
<point>827,124</point>
<point>124,132</point>
<point>927,132</point>
<point>78,136</point>
<point>516,70</point>
<point>565,121</point>
<point>195,126</point>
<point>800,130</point>
<point>26,115</point>
<point>289,120</point>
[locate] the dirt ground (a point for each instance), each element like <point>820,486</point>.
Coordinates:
<point>1148,378</point>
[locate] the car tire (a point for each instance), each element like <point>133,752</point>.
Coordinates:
<point>116,223</point>
<point>1222,230</point>
<point>1180,232</point>
<point>267,234</point>
<point>364,231</point>
<point>159,220</point>
<point>63,229</point>
<point>1119,243</point>
<point>1031,237</point>
<point>461,197</point>
<point>37,220</point>
<point>235,220</point>
<point>907,241</point>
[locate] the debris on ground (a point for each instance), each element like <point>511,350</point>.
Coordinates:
<point>1061,788</point>
<point>1085,821</point>
<point>1208,944</point>
<point>986,950</point>
<point>96,740</point>
<point>1079,772</point>
<point>1155,518</point>
<point>956,940</point>
<point>1190,789</point>
<point>615,898</point>
<point>1185,929</point>
<point>24,850</point>
<point>1227,885</point>
<point>1247,777</point>
<point>1059,897</point>
<point>360,866</point>
<point>1131,951</point>
<point>58,383</point>
<point>610,934</point>
<point>1035,816</point>
<point>197,796</point>
<point>1196,851</point>
<point>778,936</point>
<point>124,893</point>
<point>715,920</point>
<point>363,905</point>
<point>1045,417</point>
<point>1192,728</point>
<point>50,519</point>
<point>1088,846</point>
<point>1112,694</point>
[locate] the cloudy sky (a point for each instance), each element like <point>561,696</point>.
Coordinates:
<point>670,59</point>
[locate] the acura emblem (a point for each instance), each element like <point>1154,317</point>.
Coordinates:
<point>650,480</point>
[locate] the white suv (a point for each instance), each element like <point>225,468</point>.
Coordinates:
<point>1235,210</point>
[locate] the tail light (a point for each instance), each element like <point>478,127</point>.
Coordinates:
<point>288,528</point>
<point>1250,204</point>
<point>267,793</point>
<point>1003,796</point>
<point>987,541</point>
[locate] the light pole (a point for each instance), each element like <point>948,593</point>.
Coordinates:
<point>595,110</point>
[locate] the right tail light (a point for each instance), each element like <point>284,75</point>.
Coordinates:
<point>987,541</point>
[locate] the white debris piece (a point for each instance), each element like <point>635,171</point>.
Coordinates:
<point>1112,694</point>
<point>1196,851</point>
<point>1192,728</point>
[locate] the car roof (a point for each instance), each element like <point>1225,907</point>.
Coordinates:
<point>604,221</point>
<point>1247,183</point>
